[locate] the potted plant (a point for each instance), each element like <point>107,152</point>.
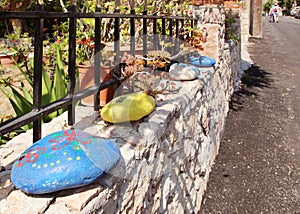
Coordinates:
<point>7,55</point>
<point>86,78</point>
<point>159,60</point>
<point>194,37</point>
<point>15,47</point>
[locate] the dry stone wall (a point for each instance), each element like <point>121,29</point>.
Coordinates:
<point>166,157</point>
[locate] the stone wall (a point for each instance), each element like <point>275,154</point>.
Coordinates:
<point>166,157</point>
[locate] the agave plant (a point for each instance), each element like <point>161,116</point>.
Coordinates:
<point>22,100</point>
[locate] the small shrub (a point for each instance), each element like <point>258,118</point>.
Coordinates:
<point>21,97</point>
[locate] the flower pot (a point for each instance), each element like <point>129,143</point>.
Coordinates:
<point>86,79</point>
<point>6,60</point>
<point>203,2</point>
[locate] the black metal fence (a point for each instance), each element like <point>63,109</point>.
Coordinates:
<point>174,24</point>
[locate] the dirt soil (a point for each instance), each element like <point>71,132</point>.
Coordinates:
<point>258,166</point>
<point>12,73</point>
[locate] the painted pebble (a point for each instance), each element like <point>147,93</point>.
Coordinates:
<point>129,107</point>
<point>63,160</point>
<point>202,61</point>
<point>183,71</point>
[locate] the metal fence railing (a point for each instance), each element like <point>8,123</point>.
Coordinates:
<point>168,25</point>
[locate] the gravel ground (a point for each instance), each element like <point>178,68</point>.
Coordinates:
<point>258,166</point>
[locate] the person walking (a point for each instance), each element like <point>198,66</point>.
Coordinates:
<point>275,12</point>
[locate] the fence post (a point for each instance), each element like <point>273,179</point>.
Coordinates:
<point>97,57</point>
<point>163,27</point>
<point>37,75</point>
<point>155,38</point>
<point>176,36</point>
<point>145,38</point>
<point>132,29</point>
<point>116,69</point>
<point>72,64</point>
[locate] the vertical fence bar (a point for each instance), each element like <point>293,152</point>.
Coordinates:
<point>37,75</point>
<point>170,27</point>
<point>176,36</point>
<point>181,30</point>
<point>132,29</point>
<point>155,39</point>
<point>163,30</point>
<point>177,28</point>
<point>117,40</point>
<point>163,26</point>
<point>170,39</point>
<point>72,65</point>
<point>97,58</point>
<point>145,37</point>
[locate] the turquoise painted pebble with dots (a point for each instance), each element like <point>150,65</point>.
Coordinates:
<point>63,160</point>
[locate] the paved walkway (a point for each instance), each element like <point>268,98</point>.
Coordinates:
<point>258,167</point>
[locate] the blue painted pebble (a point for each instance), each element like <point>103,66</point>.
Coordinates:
<point>63,160</point>
<point>202,61</point>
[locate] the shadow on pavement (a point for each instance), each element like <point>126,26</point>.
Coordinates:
<point>252,78</point>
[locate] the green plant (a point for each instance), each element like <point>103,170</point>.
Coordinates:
<point>85,51</point>
<point>21,97</point>
<point>5,49</point>
<point>85,41</point>
<point>267,6</point>
<point>5,138</point>
<point>194,37</point>
<point>231,28</point>
<point>17,44</point>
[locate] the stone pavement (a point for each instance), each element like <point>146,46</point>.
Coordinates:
<point>258,166</point>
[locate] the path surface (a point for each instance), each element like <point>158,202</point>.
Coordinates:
<point>258,166</point>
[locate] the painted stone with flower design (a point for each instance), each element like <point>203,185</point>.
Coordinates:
<point>63,160</point>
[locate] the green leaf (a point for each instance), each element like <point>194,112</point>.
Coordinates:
<point>150,8</point>
<point>60,87</point>
<point>25,74</point>
<point>28,96</point>
<point>18,112</point>
<point>5,93</point>
<point>53,115</point>
<point>59,62</point>
<point>23,104</point>
<point>20,104</point>
<point>59,84</point>
<point>16,108</point>
<point>46,87</point>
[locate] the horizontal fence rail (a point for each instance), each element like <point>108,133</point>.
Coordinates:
<point>69,102</point>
